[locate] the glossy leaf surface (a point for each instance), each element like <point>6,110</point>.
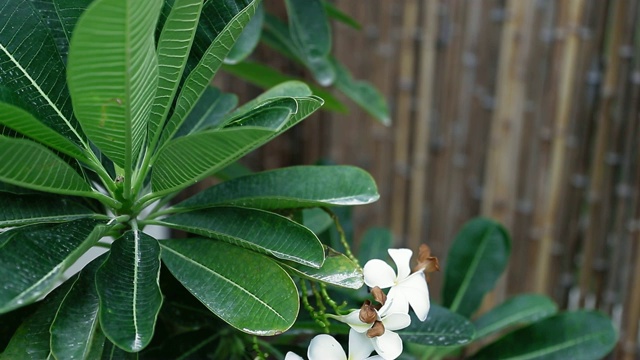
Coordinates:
<point>31,165</point>
<point>520,309</point>
<point>249,38</point>
<point>75,333</point>
<point>441,328</point>
<point>581,335</point>
<point>362,93</point>
<point>292,187</point>
<point>18,210</point>
<point>247,290</point>
<point>129,291</point>
<point>208,112</point>
<point>34,258</point>
<point>477,258</point>
<point>258,230</point>
<point>337,270</point>
<point>113,73</point>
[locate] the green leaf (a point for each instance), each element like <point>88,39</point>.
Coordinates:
<point>198,79</point>
<point>112,352</point>
<point>316,220</point>
<point>337,14</point>
<point>374,244</point>
<point>258,230</point>
<point>362,93</point>
<point>74,332</point>
<point>266,77</point>
<point>580,335</point>
<point>31,165</point>
<point>292,187</point>
<point>34,258</point>
<point>249,38</point>
<point>477,258</point>
<point>441,328</point>
<point>18,210</point>
<point>174,46</point>
<point>518,310</point>
<point>247,290</point>
<point>337,270</point>
<point>31,340</point>
<point>208,112</point>
<point>26,45</point>
<point>286,89</point>
<point>129,290</point>
<point>310,32</point>
<point>113,73</point>
<point>24,123</point>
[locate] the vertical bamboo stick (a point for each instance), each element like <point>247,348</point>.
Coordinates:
<point>573,10</point>
<point>424,92</point>
<point>403,119</point>
<point>599,170</point>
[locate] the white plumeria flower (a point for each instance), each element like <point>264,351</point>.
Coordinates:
<point>389,344</point>
<point>325,347</point>
<point>406,288</point>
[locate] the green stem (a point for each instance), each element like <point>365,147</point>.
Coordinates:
<point>343,236</point>
<point>105,199</point>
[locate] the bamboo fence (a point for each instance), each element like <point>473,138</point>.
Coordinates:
<point>526,111</point>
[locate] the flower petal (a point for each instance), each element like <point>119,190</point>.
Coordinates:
<point>360,346</point>
<point>402,258</point>
<point>389,345</point>
<point>353,320</point>
<point>396,321</point>
<point>325,347</point>
<point>293,356</point>
<point>415,290</point>
<point>396,302</point>
<point>378,273</point>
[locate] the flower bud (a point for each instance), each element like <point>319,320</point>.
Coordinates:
<point>376,330</point>
<point>426,262</point>
<point>368,313</point>
<point>378,295</point>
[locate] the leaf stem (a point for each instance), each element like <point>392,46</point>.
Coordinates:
<point>107,200</point>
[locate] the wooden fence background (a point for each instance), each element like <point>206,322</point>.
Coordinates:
<point>526,111</point>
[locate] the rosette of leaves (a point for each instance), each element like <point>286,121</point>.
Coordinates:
<point>106,114</point>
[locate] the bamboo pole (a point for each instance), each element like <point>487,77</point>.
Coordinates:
<point>570,47</point>
<point>403,119</point>
<point>424,92</point>
<point>599,171</point>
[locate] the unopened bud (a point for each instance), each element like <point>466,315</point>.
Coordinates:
<point>378,295</point>
<point>368,313</point>
<point>376,330</point>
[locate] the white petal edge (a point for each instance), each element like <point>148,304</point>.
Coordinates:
<point>402,258</point>
<point>293,356</point>
<point>378,273</point>
<point>353,320</point>
<point>396,321</point>
<point>416,291</point>
<point>325,347</point>
<point>396,302</point>
<point>388,345</point>
<point>360,346</point>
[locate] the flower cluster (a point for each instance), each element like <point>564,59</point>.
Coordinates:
<point>373,326</point>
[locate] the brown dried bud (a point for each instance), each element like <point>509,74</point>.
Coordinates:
<point>426,262</point>
<point>368,313</point>
<point>376,330</point>
<point>378,295</point>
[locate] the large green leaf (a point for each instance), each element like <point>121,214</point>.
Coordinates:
<point>477,258</point>
<point>129,290</point>
<point>362,93</point>
<point>285,89</point>
<point>31,165</point>
<point>247,290</point>
<point>198,79</point>
<point>292,187</point>
<point>521,309</point>
<point>189,159</point>
<point>32,339</point>
<point>337,270</point>
<point>24,123</point>
<point>33,67</point>
<point>74,332</point>
<point>441,328</point>
<point>266,77</point>
<point>248,40</point>
<point>258,230</point>
<point>311,34</point>
<point>174,46</point>
<point>580,335</point>
<point>113,73</point>
<point>337,14</point>
<point>34,258</point>
<point>374,244</point>
<point>209,111</point>
<point>18,210</point>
